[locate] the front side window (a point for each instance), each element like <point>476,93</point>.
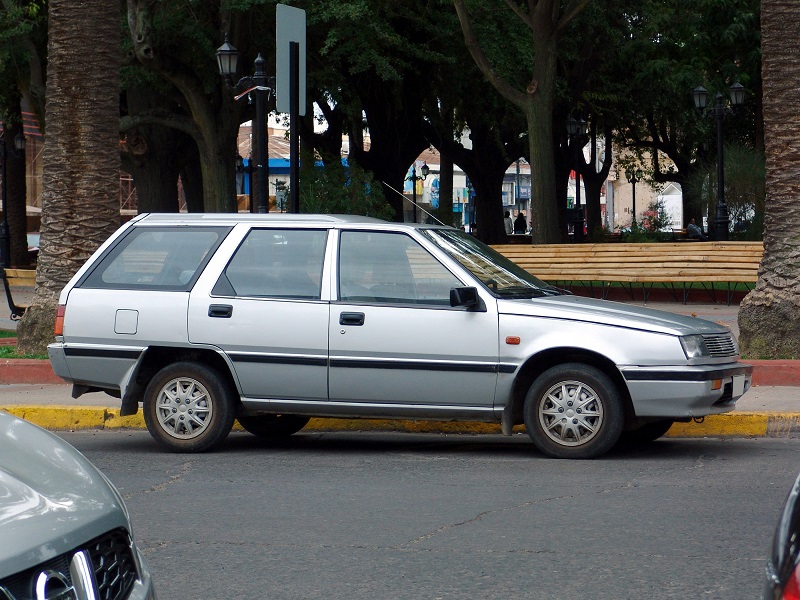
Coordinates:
<point>504,278</point>
<point>276,263</point>
<point>391,268</point>
<point>163,258</point>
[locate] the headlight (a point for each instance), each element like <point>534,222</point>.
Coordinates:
<point>694,346</point>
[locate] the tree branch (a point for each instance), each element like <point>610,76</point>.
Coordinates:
<point>508,91</point>
<point>570,13</point>
<point>524,17</point>
<point>165,119</point>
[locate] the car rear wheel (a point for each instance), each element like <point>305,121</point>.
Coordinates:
<point>188,407</point>
<point>272,426</point>
<point>647,433</point>
<point>573,411</point>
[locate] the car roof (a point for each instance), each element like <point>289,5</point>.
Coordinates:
<point>234,218</point>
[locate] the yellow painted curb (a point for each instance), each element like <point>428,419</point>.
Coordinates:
<point>76,417</point>
<point>736,424</point>
<point>731,424</point>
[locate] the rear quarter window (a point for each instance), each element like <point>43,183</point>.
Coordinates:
<point>156,258</point>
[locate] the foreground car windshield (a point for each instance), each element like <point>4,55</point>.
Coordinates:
<point>502,276</point>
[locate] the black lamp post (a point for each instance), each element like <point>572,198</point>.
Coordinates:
<point>227,61</point>
<point>576,128</point>
<point>424,171</point>
<point>5,241</point>
<point>718,112</point>
<point>633,178</point>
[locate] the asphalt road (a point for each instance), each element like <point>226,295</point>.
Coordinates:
<point>378,515</point>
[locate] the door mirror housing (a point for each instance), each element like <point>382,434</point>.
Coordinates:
<point>467,297</point>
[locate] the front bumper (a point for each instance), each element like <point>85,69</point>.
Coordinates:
<point>686,391</point>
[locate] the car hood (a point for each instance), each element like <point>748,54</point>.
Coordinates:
<point>51,498</point>
<point>576,308</point>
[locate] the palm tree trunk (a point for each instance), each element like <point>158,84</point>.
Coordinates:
<point>769,316</point>
<point>80,181</point>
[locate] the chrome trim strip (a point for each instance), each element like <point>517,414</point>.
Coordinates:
<point>382,410</point>
<point>82,573</point>
<point>414,365</point>
<point>241,357</point>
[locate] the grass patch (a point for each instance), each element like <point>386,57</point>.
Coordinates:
<point>11,352</point>
<point>4,333</point>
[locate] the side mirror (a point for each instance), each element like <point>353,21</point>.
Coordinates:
<point>465,296</point>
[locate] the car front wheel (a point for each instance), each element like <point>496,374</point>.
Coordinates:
<point>188,407</point>
<point>574,411</point>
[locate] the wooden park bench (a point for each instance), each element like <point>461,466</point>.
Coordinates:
<point>675,266</point>
<point>17,278</point>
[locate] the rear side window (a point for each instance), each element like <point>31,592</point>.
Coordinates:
<point>157,258</point>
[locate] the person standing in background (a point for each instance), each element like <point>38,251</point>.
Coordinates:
<point>509,224</point>
<point>520,224</point>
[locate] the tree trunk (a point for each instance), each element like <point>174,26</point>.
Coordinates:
<point>15,195</point>
<point>192,181</point>
<point>80,182</point>
<point>769,316</point>
<point>155,154</point>
<point>445,211</point>
<point>539,114</point>
<point>594,180</point>
<point>488,184</point>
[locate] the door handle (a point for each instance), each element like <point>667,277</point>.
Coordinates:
<point>348,318</point>
<point>220,311</point>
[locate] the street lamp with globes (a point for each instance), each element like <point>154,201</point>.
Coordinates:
<point>633,178</point>
<point>227,61</point>
<point>718,112</point>
<point>414,178</point>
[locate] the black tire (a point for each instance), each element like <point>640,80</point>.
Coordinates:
<point>188,407</point>
<point>562,426</point>
<point>273,426</point>
<point>647,433</point>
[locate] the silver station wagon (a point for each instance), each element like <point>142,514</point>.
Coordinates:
<point>274,319</point>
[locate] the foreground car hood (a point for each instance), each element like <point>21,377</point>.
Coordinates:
<point>576,308</point>
<point>51,498</point>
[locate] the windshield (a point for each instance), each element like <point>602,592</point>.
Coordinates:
<point>501,276</point>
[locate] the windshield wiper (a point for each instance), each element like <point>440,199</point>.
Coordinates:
<point>522,291</point>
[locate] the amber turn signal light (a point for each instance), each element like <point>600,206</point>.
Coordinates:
<point>59,328</point>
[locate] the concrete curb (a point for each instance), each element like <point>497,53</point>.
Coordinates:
<point>21,370</point>
<point>775,372</point>
<point>744,424</point>
<point>18,370</point>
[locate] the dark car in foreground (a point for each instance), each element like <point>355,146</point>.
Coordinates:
<point>783,566</point>
<point>65,533</point>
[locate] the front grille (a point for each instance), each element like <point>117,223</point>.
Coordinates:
<point>114,568</point>
<point>720,345</point>
<point>112,562</point>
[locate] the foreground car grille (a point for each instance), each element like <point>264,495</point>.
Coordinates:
<point>720,345</point>
<point>110,559</point>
